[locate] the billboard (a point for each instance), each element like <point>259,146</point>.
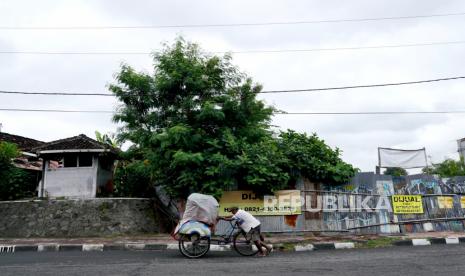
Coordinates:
<point>285,202</point>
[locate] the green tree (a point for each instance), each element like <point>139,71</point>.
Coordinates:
<point>14,182</point>
<point>395,172</point>
<point>8,151</point>
<point>262,163</point>
<point>132,179</point>
<point>309,156</point>
<point>447,168</point>
<point>198,126</point>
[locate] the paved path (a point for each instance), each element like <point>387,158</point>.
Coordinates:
<point>430,260</point>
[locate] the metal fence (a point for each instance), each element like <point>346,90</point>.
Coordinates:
<point>370,187</point>
<point>348,214</point>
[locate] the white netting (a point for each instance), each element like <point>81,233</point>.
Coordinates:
<point>406,159</point>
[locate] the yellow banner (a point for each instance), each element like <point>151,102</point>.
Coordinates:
<point>462,201</point>
<point>285,202</point>
<point>407,204</point>
<point>445,202</point>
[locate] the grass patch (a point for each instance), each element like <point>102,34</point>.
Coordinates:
<point>377,243</point>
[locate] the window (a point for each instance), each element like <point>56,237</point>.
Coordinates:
<point>85,160</point>
<point>81,160</point>
<point>69,161</point>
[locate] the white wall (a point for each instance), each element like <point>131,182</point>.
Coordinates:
<point>79,182</point>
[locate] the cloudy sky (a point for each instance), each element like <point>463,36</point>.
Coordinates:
<point>357,135</point>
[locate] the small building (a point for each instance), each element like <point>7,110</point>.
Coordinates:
<point>85,168</point>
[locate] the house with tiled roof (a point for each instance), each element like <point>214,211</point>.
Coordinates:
<point>23,143</point>
<point>85,167</point>
<point>28,160</point>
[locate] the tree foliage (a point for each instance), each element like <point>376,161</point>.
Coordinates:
<point>396,172</point>
<point>132,179</point>
<point>108,139</point>
<point>447,168</point>
<point>198,126</point>
<point>310,157</point>
<point>14,182</point>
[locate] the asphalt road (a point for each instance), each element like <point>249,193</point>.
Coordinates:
<point>429,260</point>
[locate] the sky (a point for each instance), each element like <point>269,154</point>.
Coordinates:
<point>358,136</point>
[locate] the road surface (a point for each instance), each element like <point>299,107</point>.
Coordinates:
<point>429,260</point>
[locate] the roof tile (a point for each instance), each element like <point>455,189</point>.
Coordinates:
<point>23,143</point>
<point>80,142</point>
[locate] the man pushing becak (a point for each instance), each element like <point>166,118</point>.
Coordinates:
<point>251,226</point>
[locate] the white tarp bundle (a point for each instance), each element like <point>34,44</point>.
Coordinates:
<point>406,159</point>
<point>202,208</point>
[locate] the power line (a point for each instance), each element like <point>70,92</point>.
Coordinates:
<point>346,48</point>
<point>261,92</point>
<point>97,53</point>
<point>362,86</point>
<point>54,110</point>
<point>372,113</point>
<point>56,93</point>
<point>216,25</point>
<point>276,113</point>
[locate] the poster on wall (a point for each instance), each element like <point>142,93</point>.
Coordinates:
<point>285,202</point>
<point>384,187</point>
<point>462,201</point>
<point>407,204</point>
<point>445,202</point>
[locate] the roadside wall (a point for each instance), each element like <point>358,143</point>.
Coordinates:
<point>77,218</point>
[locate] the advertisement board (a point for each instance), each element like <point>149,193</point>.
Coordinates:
<point>285,202</point>
<point>407,204</point>
<point>445,202</point>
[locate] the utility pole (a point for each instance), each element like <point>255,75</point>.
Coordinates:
<point>1,125</point>
<point>461,147</point>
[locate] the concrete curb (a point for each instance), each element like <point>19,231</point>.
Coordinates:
<point>403,243</point>
<point>417,242</point>
<point>48,247</point>
<point>306,247</point>
<point>148,247</point>
<point>431,241</point>
<point>324,246</point>
<point>70,247</point>
<point>92,247</point>
<point>215,248</point>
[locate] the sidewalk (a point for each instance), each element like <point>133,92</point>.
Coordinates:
<point>285,242</point>
<point>271,238</point>
<point>166,238</point>
<point>152,238</point>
